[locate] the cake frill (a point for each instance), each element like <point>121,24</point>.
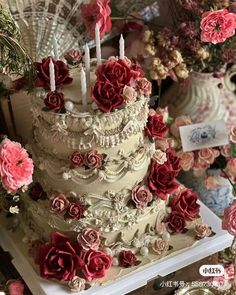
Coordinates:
<point>104,201</point>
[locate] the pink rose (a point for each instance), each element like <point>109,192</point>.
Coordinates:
<point>160,247</point>
<point>162,144</point>
<point>186,160</point>
<point>16,167</point>
<point>77,159</point>
<point>231,167</point>
<point>93,159</point>
<point>229,219</point>
<point>206,157</point>
<point>59,203</point>
<point>75,211</point>
<point>129,94</point>
<point>211,183</point>
<point>202,230</point>
<point>97,12</point>
<point>178,122</point>
<point>160,157</point>
<point>233,135</point>
<point>217,26</point>
<point>73,57</point>
<point>143,86</point>
<point>89,239</point>
<point>225,151</point>
<point>96,263</point>
<point>141,196</point>
<point>15,287</point>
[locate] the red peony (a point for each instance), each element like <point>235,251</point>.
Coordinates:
<point>186,203</point>
<point>36,192</point>
<point>162,180</point>
<point>59,260</point>
<point>156,127</point>
<point>97,11</point>
<point>108,96</point>
<point>93,159</point>
<point>43,76</point>
<point>15,287</point>
<point>54,101</point>
<point>75,211</point>
<point>173,160</point>
<point>217,26</point>
<point>96,264</point>
<point>77,159</point>
<point>176,221</point>
<point>117,72</point>
<point>127,258</point>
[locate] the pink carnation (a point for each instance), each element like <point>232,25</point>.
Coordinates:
<point>97,12</point>
<point>16,168</point>
<point>217,26</point>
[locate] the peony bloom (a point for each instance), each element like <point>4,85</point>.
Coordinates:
<point>217,26</point>
<point>97,12</point>
<point>16,167</point>
<point>229,219</point>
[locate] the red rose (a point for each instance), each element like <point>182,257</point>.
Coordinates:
<point>95,264</point>
<point>54,101</point>
<point>93,159</point>
<point>156,127</point>
<point>176,221</point>
<point>15,287</point>
<point>117,71</point>
<point>75,211</point>
<point>162,180</point>
<point>174,160</point>
<point>127,258</point>
<point>43,76</point>
<point>108,96</point>
<point>186,203</point>
<point>97,11</point>
<point>59,260</point>
<point>77,159</point>
<point>36,192</point>
<point>137,68</point>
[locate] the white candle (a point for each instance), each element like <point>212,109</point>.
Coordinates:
<point>122,47</point>
<point>98,45</point>
<point>83,89</point>
<point>87,67</point>
<point>55,48</point>
<point>52,76</point>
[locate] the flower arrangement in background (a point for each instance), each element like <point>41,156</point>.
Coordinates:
<point>16,170</point>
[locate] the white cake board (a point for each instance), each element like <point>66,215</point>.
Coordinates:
<point>133,281</point>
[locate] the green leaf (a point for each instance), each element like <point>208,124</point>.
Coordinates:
<point>232,150</point>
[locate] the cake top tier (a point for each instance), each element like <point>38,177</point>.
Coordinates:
<point>114,85</point>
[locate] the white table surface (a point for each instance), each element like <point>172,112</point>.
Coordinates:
<point>133,281</point>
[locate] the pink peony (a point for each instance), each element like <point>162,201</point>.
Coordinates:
<point>178,122</point>
<point>229,219</point>
<point>16,168</point>
<point>97,11</point>
<point>89,239</point>
<point>217,26</point>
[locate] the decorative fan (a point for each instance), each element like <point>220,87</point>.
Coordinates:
<point>42,21</point>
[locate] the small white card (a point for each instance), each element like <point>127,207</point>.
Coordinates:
<point>204,135</point>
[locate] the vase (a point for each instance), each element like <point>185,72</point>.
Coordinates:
<point>215,199</point>
<point>203,97</point>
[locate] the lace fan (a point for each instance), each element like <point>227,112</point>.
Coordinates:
<point>41,21</point>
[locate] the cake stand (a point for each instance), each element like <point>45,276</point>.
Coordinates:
<point>11,242</point>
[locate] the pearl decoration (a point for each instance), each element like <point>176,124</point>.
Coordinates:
<point>166,236</point>
<point>41,166</point>
<point>144,251</point>
<point>136,243</point>
<point>69,105</point>
<point>65,176</point>
<point>115,261</point>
